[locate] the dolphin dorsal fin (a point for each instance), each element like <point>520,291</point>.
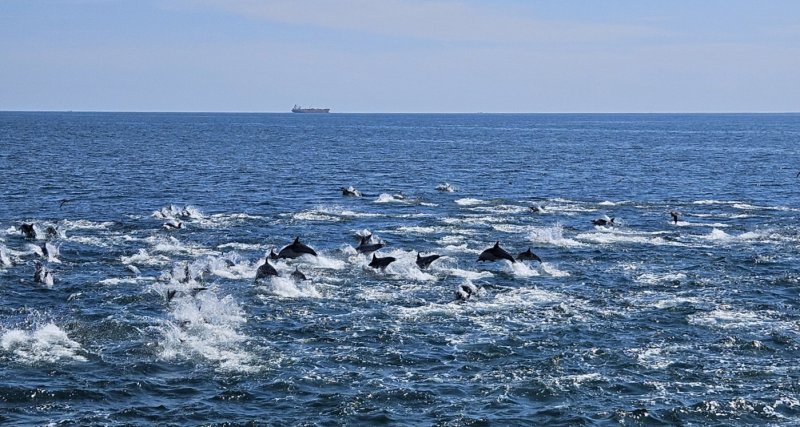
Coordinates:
<point>297,239</point>
<point>373,257</point>
<point>497,244</point>
<point>419,255</point>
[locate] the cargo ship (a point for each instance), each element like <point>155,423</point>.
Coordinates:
<point>299,109</point>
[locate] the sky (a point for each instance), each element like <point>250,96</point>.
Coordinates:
<point>401,55</point>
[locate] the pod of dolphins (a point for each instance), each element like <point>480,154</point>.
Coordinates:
<point>367,246</point>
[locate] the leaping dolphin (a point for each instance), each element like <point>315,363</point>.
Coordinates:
<point>495,253</point>
<point>42,275</point>
<point>424,261</point>
<point>464,292</point>
<point>381,263</point>
<point>173,224</point>
<point>295,249</point>
<point>350,191</point>
<point>674,216</point>
<point>272,255</point>
<point>266,270</point>
<point>28,230</point>
<point>603,222</point>
<point>366,248</point>
<point>528,256</point>
<point>298,275</point>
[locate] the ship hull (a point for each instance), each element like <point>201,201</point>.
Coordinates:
<point>311,110</point>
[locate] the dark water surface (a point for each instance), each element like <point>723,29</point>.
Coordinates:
<point>646,322</point>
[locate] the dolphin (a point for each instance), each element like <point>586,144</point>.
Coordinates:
<point>171,293</point>
<point>272,255</point>
<point>445,187</point>
<point>173,224</point>
<point>424,261</point>
<point>350,191</point>
<point>528,256</point>
<point>603,222</point>
<point>51,232</point>
<point>495,253</point>
<point>298,275</point>
<point>28,230</point>
<point>266,270</point>
<point>365,247</point>
<point>295,249</point>
<point>42,275</point>
<point>381,263</point>
<point>464,292</point>
<point>674,216</point>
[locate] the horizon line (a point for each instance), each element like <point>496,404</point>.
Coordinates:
<point>395,112</point>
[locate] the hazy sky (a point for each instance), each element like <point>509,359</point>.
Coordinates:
<point>401,55</point>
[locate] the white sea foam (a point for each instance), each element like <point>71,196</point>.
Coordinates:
<point>470,275</point>
<point>83,224</point>
<point>656,356</point>
<point>525,297</point>
<point>226,220</point>
<point>473,220</point>
<point>718,235</point>
<point>605,235</point>
<point>725,317</point>
<point>242,246</point>
<point>450,240</point>
<point>501,209</point>
<point>331,214</point>
<point>670,300</point>
<point>113,281</point>
<point>553,235</point>
<point>45,343</point>
<point>389,198</point>
<point>714,202</point>
<point>207,328</point>
<point>286,287</point>
<point>553,271</point>
<point>89,241</point>
<point>142,257</point>
<point>521,269</point>
<point>469,202</point>
<point>513,228</point>
<point>656,278</point>
<point>171,245</point>
<point>173,211</point>
<point>316,216</point>
<point>5,259</point>
<point>463,248</point>
<point>323,261</point>
<point>420,230</point>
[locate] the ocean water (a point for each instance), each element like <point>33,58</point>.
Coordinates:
<point>645,322</point>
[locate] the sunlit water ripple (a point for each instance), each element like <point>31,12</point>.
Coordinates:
<point>649,321</point>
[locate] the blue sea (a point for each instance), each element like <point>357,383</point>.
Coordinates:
<point>151,227</point>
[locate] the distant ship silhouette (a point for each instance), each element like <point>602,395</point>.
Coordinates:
<point>299,109</point>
